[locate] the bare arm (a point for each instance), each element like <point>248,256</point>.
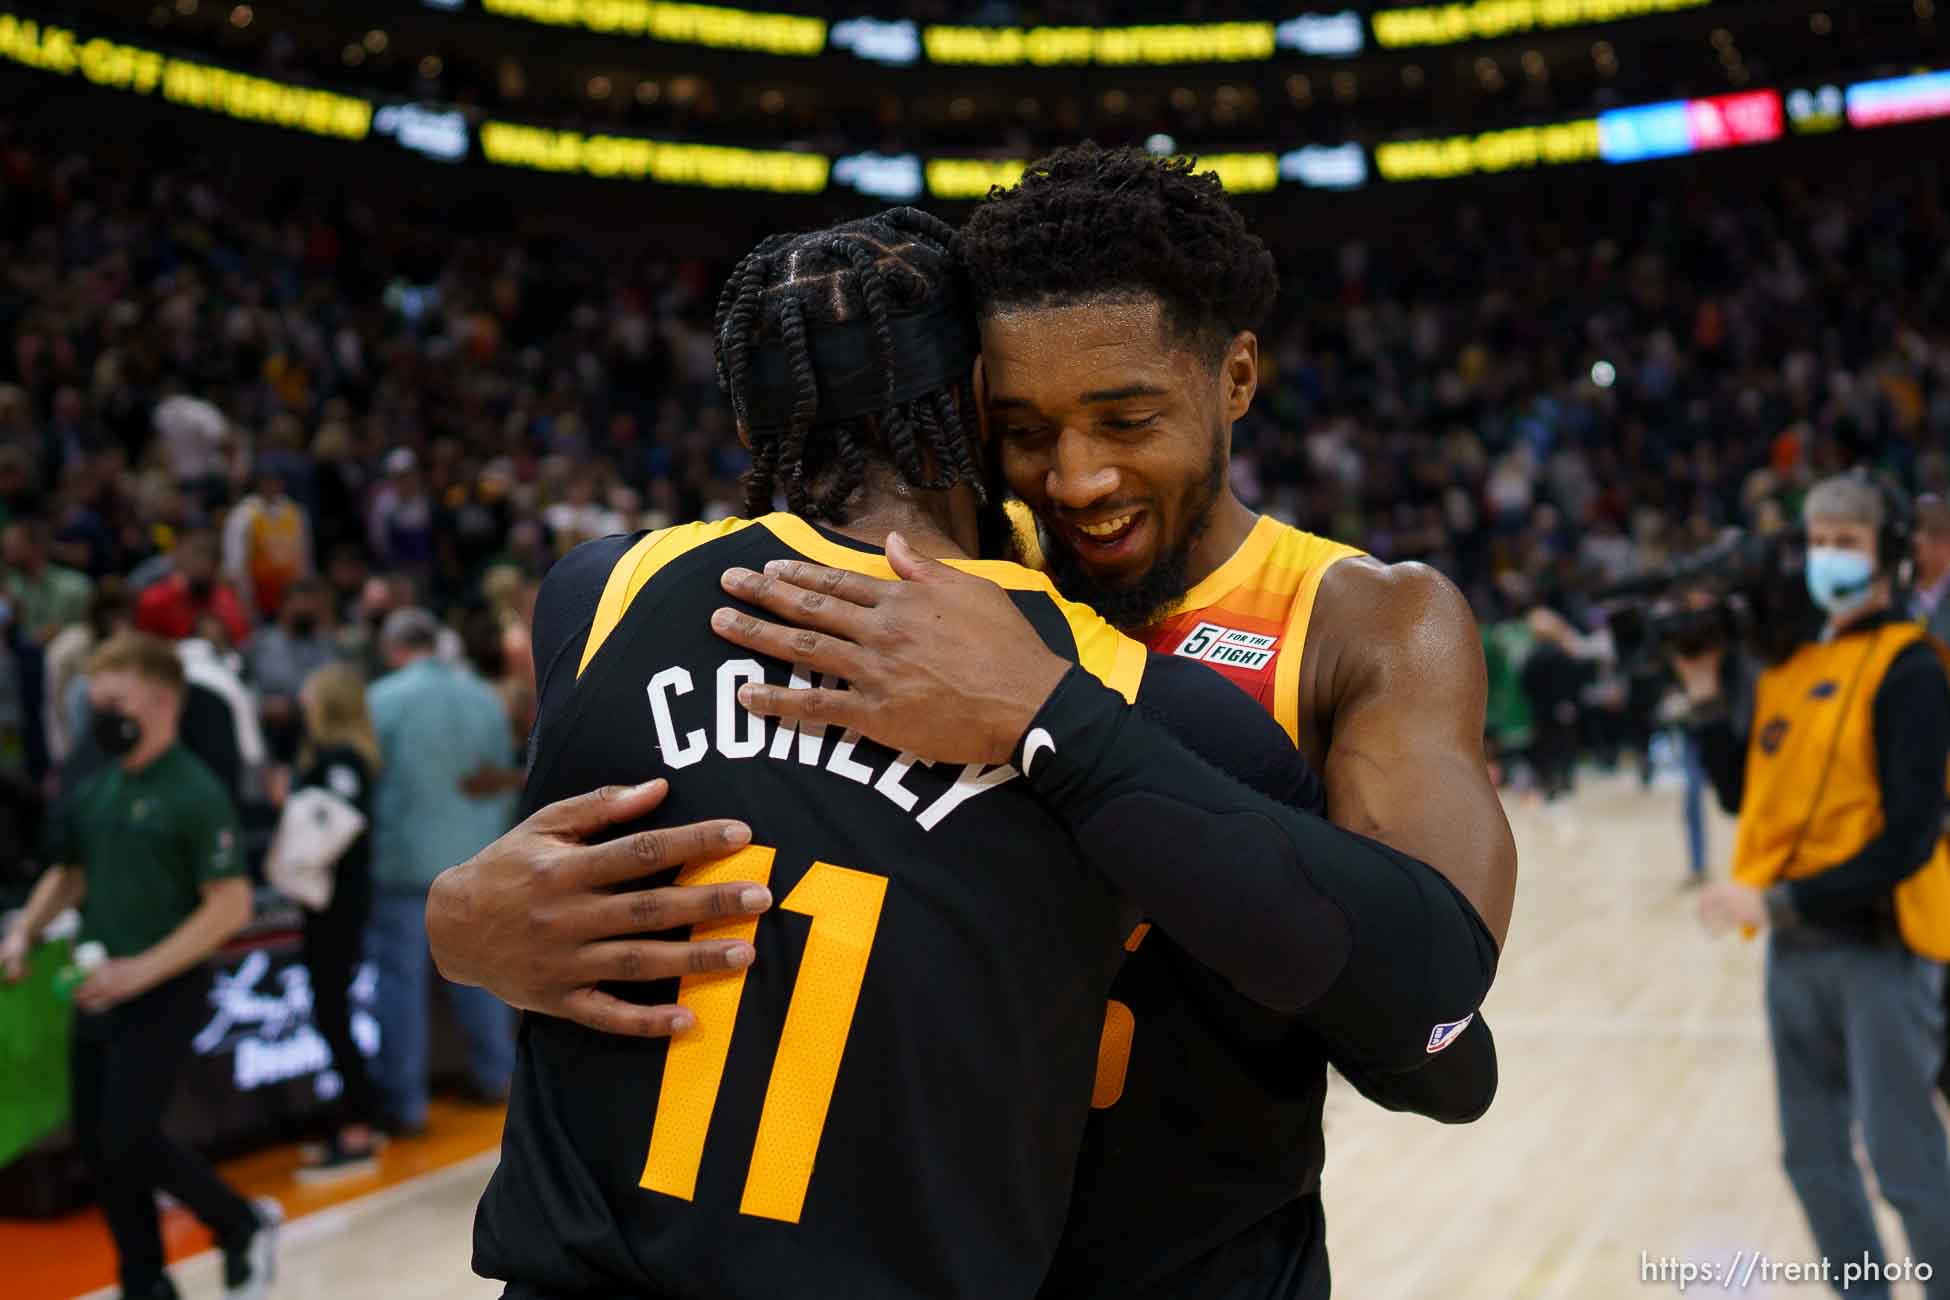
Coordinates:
<point>225,909</point>
<point>58,889</point>
<point>1407,692</point>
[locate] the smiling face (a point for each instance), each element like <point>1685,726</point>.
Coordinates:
<point>1116,432</point>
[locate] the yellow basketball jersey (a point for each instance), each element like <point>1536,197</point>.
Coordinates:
<point>1248,619</point>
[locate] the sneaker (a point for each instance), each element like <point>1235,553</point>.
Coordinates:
<point>250,1266</point>
<point>312,1153</point>
<point>338,1161</point>
<point>161,1289</point>
<point>395,1130</point>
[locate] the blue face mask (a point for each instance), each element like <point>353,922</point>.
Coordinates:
<point>1839,580</point>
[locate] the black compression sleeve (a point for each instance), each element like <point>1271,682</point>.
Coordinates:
<point>1455,1086</point>
<point>1375,951</point>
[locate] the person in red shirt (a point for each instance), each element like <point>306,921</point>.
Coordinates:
<point>170,608</point>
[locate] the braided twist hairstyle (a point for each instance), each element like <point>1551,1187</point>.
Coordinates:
<point>792,285</point>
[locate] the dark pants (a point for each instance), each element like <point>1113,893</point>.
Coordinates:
<point>123,1068</point>
<point>1943,1073</point>
<point>334,945</point>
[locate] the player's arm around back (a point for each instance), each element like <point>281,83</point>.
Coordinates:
<point>1368,947</point>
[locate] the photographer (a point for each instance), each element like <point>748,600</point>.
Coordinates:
<point>1840,787</point>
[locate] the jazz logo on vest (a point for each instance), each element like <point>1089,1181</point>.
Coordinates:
<point>1772,735</point>
<point>1443,1035</point>
<point>1228,647</point>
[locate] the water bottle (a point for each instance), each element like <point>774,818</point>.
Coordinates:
<point>87,958</point>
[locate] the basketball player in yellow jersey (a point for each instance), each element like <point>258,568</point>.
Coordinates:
<point>1117,296</point>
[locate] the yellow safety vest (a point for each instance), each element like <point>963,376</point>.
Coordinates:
<point>1813,798</point>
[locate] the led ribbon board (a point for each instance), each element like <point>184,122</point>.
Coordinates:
<point>1454,24</point>
<point>1489,153</point>
<point>1899,99</point>
<point>676,24</point>
<point>972,178</point>
<point>667,162</point>
<point>184,82</point>
<point>1046,47</point>
<point>1687,126</point>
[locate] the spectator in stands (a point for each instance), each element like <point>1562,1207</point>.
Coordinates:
<point>266,544</point>
<point>212,670</point>
<point>437,724</point>
<point>41,598</point>
<point>171,607</point>
<point>282,655</point>
<point>401,525</point>
<point>339,483</point>
<point>111,613</point>
<point>148,849</point>
<point>195,437</point>
<point>46,596</point>
<point>1932,580</point>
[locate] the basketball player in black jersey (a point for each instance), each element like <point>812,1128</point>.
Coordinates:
<point>889,1101</point>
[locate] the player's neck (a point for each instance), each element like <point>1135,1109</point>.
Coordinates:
<point>1232,523</point>
<point>938,525</point>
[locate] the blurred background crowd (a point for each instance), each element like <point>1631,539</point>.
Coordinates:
<point>260,422</point>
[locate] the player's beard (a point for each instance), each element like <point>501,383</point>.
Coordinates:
<point>1134,606</point>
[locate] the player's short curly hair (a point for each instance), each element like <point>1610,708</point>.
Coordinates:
<point>1088,222</point>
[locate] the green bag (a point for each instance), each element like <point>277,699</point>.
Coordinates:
<point>36,1020</point>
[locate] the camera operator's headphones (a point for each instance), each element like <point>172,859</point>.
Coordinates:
<point>1898,525</point>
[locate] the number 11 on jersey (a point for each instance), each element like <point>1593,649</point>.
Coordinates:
<point>845,909</point>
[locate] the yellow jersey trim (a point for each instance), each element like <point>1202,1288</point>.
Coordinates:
<point>1286,673</point>
<point>1239,566</point>
<point>811,543</point>
<point>640,564</point>
<point>1105,653</point>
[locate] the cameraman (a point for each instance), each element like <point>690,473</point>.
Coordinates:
<point>1840,794</point>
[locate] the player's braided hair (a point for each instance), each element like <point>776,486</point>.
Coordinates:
<point>792,285</point>
<point>1088,222</point>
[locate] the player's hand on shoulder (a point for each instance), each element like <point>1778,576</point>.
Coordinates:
<point>940,664</point>
<point>537,919</point>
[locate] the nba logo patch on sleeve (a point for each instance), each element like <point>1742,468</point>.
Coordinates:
<point>1443,1035</point>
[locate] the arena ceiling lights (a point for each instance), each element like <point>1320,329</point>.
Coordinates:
<point>1324,32</point>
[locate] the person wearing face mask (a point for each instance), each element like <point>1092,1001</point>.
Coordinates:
<point>147,848</point>
<point>283,654</point>
<point>171,607</point>
<point>1839,855</point>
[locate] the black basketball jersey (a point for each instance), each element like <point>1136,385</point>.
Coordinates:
<point>1205,1144</point>
<point>889,1102</point>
